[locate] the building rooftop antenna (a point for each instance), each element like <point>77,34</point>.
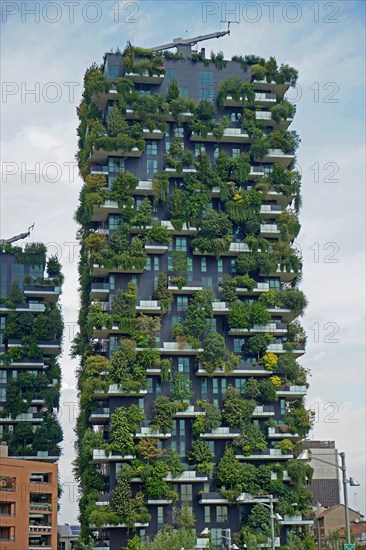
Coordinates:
<point>18,237</point>
<point>191,41</point>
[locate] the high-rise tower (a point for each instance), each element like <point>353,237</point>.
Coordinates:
<point>190,391</point>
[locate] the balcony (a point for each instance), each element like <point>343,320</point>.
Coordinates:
<point>266,99</point>
<point>148,306</point>
<point>153,134</point>
<point>28,364</point>
<point>187,289</point>
<point>256,172</point>
<point>190,412</point>
<point>221,433</point>
<point>175,348</point>
<point>263,411</point>
<point>270,230</point>
<point>48,293</point>
<point>149,432</point>
<point>274,433</point>
<point>266,116</point>
<point>102,211</point>
<point>284,275</point>
<point>99,169</point>
<point>101,155</point>
<point>47,456</point>
<point>292,392</point>
<point>271,210</point>
<point>188,476</point>
<point>234,250</point>
<point>100,456</point>
<point>145,78</point>
<point>34,418</point>
<point>168,117</point>
<point>271,328</point>
<point>280,89</point>
<point>186,229</point>
<point>231,135</point>
<point>26,308</point>
<point>100,416</point>
<point>278,156</point>
<point>267,454</point>
<point>172,172</point>
<point>40,506</point>
<point>259,288</point>
<point>101,271</point>
<point>99,291</point>
<point>156,248</point>
<point>101,100</point>
<point>220,308</point>
<point>212,498</point>
<point>115,390</point>
<point>40,528</point>
<point>240,370</point>
<point>296,520</point>
<point>144,187</point>
<point>278,348</point>
<point>158,501</point>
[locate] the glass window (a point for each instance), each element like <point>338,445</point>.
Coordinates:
<point>113,72</point>
<point>207,515</point>
<point>206,281</point>
<point>115,165</point>
<point>181,244</point>
<point>151,166</point>
<point>183,91</point>
<point>203,264</point>
<point>199,148</point>
<point>178,131</point>
<point>183,364</point>
<point>190,269</point>
<point>235,152</point>
<point>240,384</point>
<point>111,281</point>
<point>182,303</point>
<point>156,263</point>
<point>113,222</point>
<point>17,274</point>
<point>2,394</point>
<point>36,270</point>
<point>2,376</point>
<point>221,514</point>
<point>204,389</point>
<point>160,516</point>
<point>238,344</point>
<point>220,267</point>
<point>233,266</point>
<point>205,85</point>
<point>152,148</point>
<point>148,263</point>
<point>186,492</point>
<point>216,151</point>
<point>171,74</point>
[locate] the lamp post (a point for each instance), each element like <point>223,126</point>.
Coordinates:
<point>246,497</point>
<point>304,455</point>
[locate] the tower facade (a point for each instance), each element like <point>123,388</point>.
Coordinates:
<point>31,330</point>
<point>191,396</point>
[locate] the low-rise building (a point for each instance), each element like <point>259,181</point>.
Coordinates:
<point>67,536</point>
<point>28,504</point>
<point>329,521</point>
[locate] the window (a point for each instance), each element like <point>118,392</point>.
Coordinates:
<point>152,148</point>
<point>235,152</point>
<point>148,263</point>
<point>233,266</point>
<point>220,267</point>
<point>216,151</point>
<point>115,165</point>
<point>207,515</point>
<point>235,117</point>
<point>36,270</point>
<point>113,72</point>
<point>171,74</point>
<point>204,389</point>
<point>182,303</point>
<point>160,516</point>
<point>151,166</point>
<point>240,384</point>
<point>17,274</point>
<point>156,263</point>
<point>113,222</point>
<point>199,148</point>
<point>203,264</point>
<point>183,91</point>
<point>190,269</point>
<point>181,244</point>
<point>183,364</point>
<point>2,394</point>
<point>283,406</point>
<point>178,132</point>
<point>167,143</point>
<point>206,281</point>
<point>238,343</point>
<point>221,514</point>
<point>186,492</point>
<point>142,535</point>
<point>205,85</point>
<point>2,376</point>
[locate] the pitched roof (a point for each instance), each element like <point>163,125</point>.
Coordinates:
<point>356,528</point>
<point>333,508</point>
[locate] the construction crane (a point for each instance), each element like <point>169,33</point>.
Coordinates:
<point>190,41</point>
<point>17,237</point>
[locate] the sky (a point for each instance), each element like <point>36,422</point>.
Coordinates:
<point>45,50</point>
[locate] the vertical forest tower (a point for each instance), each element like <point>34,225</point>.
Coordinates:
<point>191,396</point>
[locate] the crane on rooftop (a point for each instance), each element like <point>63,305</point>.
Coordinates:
<point>17,237</point>
<point>190,41</point>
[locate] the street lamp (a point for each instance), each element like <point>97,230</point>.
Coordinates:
<point>246,497</point>
<point>304,455</point>
<point>206,531</point>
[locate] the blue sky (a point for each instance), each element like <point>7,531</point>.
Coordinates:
<point>325,42</point>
